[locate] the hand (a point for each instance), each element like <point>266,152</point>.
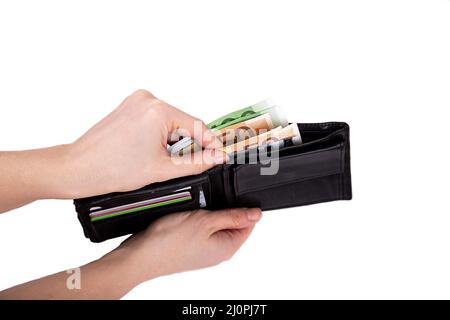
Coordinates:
<point>128,149</point>
<point>178,242</point>
<point>125,151</point>
<point>188,241</point>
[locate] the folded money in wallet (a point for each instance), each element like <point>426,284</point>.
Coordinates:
<point>317,170</point>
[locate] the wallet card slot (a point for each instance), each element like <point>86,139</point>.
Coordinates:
<point>166,200</point>
<point>195,193</point>
<point>155,190</point>
<point>190,202</point>
<point>131,212</point>
<point>134,221</point>
<point>291,168</point>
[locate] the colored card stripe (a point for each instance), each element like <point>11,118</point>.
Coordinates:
<point>159,204</point>
<point>154,201</point>
<point>138,204</point>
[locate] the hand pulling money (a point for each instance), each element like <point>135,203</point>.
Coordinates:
<point>260,124</point>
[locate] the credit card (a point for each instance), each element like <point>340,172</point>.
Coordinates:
<point>140,205</point>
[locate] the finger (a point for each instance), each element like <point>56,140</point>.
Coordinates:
<point>196,162</point>
<point>188,125</point>
<point>236,236</point>
<point>232,219</point>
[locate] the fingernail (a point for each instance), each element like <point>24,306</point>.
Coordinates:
<point>253,215</point>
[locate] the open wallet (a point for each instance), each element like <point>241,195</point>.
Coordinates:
<point>315,171</point>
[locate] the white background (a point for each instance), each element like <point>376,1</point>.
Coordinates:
<point>381,66</point>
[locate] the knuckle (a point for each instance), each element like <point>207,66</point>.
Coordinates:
<point>155,108</point>
<point>142,94</point>
<point>157,105</point>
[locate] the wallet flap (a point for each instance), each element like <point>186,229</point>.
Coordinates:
<point>295,167</point>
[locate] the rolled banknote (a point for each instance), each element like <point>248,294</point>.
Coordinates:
<point>289,132</point>
<point>238,132</point>
<point>245,129</point>
<point>263,115</point>
<point>224,121</point>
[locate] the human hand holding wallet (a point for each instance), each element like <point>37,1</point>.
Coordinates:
<point>206,190</point>
<point>126,151</point>
<point>312,164</point>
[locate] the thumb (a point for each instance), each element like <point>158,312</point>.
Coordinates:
<point>196,162</point>
<point>232,219</point>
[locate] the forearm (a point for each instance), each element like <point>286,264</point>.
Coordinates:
<point>110,277</point>
<point>26,176</point>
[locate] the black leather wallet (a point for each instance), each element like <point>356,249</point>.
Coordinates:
<point>318,170</point>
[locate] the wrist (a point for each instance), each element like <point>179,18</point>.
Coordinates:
<point>133,268</point>
<point>59,173</point>
<point>43,173</point>
<point>68,174</point>
<point>72,177</point>
<point>110,277</point>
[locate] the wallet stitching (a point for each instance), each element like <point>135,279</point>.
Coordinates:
<point>330,173</point>
<point>318,126</point>
<point>197,181</point>
<point>300,154</point>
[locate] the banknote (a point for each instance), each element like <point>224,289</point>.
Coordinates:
<point>239,131</point>
<point>237,125</point>
<point>227,120</point>
<point>277,134</point>
<point>265,106</point>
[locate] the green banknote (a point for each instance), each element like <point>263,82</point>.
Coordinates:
<point>241,115</point>
<point>247,113</point>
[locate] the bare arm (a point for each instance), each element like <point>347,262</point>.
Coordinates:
<point>125,151</point>
<point>101,279</point>
<point>176,243</point>
<point>26,176</point>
